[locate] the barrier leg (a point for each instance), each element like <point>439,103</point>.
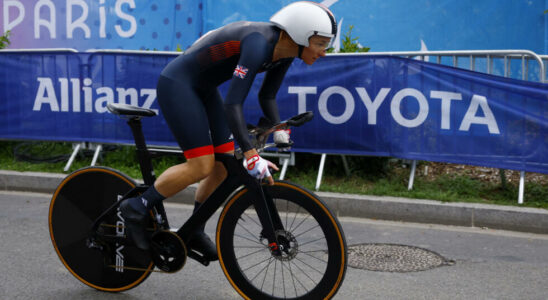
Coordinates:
<point>345,165</point>
<point>284,168</point>
<point>72,156</point>
<point>521,186</point>
<point>412,175</point>
<point>96,155</point>
<point>285,159</point>
<point>320,171</point>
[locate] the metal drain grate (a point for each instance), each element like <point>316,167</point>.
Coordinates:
<point>394,258</point>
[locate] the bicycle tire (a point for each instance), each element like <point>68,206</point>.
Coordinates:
<point>244,256</point>
<point>77,202</point>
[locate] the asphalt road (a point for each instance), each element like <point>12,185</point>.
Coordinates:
<point>489,264</point>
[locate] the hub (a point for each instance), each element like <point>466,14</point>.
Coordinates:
<point>287,246</point>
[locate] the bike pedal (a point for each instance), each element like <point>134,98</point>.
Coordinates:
<point>198,257</point>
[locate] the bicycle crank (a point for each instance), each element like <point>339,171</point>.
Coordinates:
<point>169,252</point>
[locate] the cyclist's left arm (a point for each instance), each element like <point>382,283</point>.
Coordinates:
<point>269,88</point>
<point>267,98</point>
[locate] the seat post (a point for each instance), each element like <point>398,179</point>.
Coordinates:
<point>143,155</point>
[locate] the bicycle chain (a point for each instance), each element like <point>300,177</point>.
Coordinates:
<point>138,269</point>
<point>122,226</point>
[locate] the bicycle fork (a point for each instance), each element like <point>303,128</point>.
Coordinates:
<point>268,216</point>
<point>262,201</point>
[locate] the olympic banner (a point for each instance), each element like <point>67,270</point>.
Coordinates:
<point>171,24</point>
<point>102,24</point>
<point>363,105</point>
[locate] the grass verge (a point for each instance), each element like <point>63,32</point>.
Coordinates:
<point>369,175</point>
<point>394,179</point>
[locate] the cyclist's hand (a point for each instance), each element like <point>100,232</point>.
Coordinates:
<point>281,138</point>
<point>257,167</point>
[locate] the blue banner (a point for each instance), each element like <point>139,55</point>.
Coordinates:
<point>168,24</point>
<point>364,105</point>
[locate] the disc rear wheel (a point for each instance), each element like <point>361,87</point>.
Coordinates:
<point>78,201</point>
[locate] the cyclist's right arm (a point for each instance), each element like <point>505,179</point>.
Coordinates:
<point>253,53</point>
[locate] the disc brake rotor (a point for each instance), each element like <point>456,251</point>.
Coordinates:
<point>288,247</point>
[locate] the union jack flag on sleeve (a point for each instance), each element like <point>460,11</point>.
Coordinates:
<point>240,71</point>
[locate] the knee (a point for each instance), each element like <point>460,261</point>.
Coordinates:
<point>201,166</point>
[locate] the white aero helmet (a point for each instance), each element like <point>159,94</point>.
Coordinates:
<point>303,19</point>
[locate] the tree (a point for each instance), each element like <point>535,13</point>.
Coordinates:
<point>350,44</point>
<point>4,40</point>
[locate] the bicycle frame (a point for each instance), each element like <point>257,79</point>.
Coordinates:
<point>236,178</point>
<point>293,233</point>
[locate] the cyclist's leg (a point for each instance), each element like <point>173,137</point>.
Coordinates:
<point>178,177</point>
<point>189,120</point>
<point>222,141</point>
<point>210,183</point>
<point>186,116</point>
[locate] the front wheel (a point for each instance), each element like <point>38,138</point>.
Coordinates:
<point>313,263</point>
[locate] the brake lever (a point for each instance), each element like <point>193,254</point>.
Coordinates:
<point>262,131</point>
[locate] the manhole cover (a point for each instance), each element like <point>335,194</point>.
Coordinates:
<point>394,258</point>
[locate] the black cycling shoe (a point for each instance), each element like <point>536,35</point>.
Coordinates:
<point>135,225</point>
<point>201,242</point>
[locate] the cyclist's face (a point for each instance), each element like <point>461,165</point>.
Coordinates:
<point>316,49</point>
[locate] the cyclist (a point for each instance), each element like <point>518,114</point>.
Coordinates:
<point>203,125</point>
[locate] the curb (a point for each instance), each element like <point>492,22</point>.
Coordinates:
<point>524,219</point>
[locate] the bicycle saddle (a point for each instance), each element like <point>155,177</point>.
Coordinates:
<point>129,110</point>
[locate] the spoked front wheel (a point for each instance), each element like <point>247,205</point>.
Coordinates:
<point>313,261</point>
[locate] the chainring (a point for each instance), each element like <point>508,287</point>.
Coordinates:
<point>169,252</point>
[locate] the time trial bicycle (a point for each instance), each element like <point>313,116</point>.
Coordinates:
<point>279,241</point>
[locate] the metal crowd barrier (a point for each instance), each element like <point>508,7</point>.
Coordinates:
<point>39,50</point>
<point>545,61</point>
<point>471,59</point>
<point>456,58</point>
<point>118,51</point>
<point>491,57</point>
